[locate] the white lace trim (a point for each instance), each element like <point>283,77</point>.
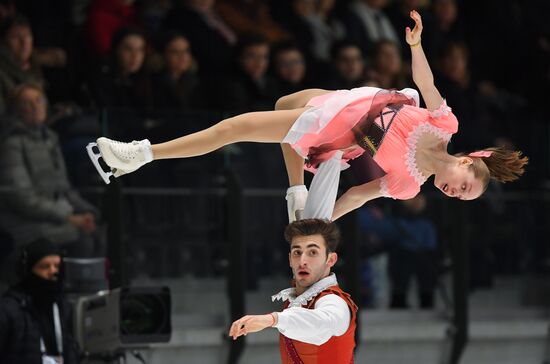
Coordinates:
<point>442,110</point>
<point>412,140</point>
<point>312,292</point>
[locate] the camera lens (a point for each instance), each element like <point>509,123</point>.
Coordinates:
<point>142,314</point>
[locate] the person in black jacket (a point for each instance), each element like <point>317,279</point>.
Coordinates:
<point>34,316</point>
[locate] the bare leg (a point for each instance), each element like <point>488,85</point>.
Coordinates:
<point>261,127</point>
<point>293,161</point>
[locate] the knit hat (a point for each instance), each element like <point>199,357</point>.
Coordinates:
<point>35,251</point>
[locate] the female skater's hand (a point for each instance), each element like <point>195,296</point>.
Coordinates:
<point>413,36</point>
<point>251,323</point>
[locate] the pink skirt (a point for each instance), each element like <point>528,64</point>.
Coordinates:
<point>329,122</point>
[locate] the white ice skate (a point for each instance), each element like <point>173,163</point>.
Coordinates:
<point>121,157</point>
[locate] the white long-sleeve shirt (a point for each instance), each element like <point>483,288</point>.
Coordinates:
<point>329,317</point>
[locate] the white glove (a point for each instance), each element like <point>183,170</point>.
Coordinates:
<point>296,197</point>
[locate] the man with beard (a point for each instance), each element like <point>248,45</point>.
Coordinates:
<point>34,317</point>
<point>317,324</point>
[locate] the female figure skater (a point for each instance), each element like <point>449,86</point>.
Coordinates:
<point>328,128</point>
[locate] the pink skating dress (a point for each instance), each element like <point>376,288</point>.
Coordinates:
<point>385,123</point>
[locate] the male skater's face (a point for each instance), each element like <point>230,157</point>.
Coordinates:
<point>309,260</point>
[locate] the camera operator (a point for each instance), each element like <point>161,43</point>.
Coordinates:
<point>34,315</point>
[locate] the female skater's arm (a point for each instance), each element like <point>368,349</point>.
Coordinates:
<point>422,74</point>
<point>356,197</point>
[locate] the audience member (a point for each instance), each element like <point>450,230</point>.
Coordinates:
<point>35,318</point>
<point>105,18</point>
<point>16,62</point>
<point>251,16</point>
<point>289,68</point>
<point>443,27</point>
<point>211,38</point>
<point>250,87</point>
<point>386,67</point>
<point>314,28</point>
<point>175,86</point>
<point>123,85</point>
<point>41,201</point>
<point>367,23</point>
<point>411,242</point>
<point>348,63</point>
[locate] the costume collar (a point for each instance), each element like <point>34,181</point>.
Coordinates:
<point>290,293</point>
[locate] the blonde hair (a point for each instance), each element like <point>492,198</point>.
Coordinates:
<point>503,165</point>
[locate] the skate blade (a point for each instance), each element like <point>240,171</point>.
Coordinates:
<point>94,157</point>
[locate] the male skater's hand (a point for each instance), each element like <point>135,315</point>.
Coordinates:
<point>251,323</point>
<point>296,197</point>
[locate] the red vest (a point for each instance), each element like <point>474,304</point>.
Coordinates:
<point>337,350</point>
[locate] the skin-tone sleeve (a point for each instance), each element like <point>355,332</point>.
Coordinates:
<point>330,317</point>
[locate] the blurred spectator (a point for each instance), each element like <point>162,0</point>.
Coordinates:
<point>249,88</point>
<point>367,23</point>
<point>413,255</point>
<point>35,317</point>
<point>386,67</point>
<point>251,16</point>
<point>7,9</point>
<point>485,112</point>
<point>105,18</point>
<point>348,64</point>
<point>16,62</point>
<point>151,14</point>
<point>411,242</point>
<point>175,86</point>
<point>314,28</point>
<point>55,41</point>
<point>41,201</point>
<point>443,27</point>
<point>289,67</point>
<point>210,37</point>
<point>123,83</point>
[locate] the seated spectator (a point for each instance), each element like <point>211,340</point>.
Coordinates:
<point>314,28</point>
<point>348,65</point>
<point>444,27</point>
<point>289,67</point>
<point>176,84</point>
<point>211,38</point>
<point>410,239</point>
<point>366,23</point>
<point>7,9</point>
<point>35,317</point>
<point>386,66</point>
<point>251,16</point>
<point>16,62</point>
<point>462,92</point>
<point>249,87</point>
<point>123,86</point>
<point>55,43</point>
<point>41,201</point>
<point>105,18</point>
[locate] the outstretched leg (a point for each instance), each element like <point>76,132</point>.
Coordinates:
<point>261,127</point>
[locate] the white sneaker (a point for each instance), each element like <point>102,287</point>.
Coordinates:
<point>126,157</point>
